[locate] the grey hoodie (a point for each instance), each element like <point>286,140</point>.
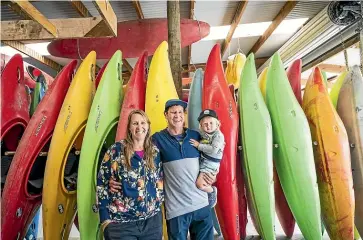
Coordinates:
<point>212,146</point>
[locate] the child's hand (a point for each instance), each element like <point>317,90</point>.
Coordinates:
<point>194,143</point>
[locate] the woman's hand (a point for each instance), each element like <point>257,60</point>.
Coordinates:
<point>105,224</point>
<point>114,185</point>
<point>209,178</point>
<point>194,143</point>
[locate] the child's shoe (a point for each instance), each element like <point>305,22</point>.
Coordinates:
<point>212,197</point>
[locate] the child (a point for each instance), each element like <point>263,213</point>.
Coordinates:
<point>211,147</point>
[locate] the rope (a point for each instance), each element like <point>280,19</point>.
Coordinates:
<point>79,54</point>
<point>344,49</point>
<point>200,36</point>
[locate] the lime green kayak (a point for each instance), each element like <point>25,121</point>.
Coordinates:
<point>293,152</point>
<point>256,132</point>
<point>334,93</point>
<point>101,124</point>
<point>35,98</point>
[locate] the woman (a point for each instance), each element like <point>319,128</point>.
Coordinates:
<point>134,211</point>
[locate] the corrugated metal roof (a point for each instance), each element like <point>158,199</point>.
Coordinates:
<point>56,9</point>
<point>185,9</point>
<point>7,14</point>
<point>124,10</point>
<point>158,9</point>
<point>272,44</point>
<point>154,9</point>
<point>261,11</point>
<point>307,9</point>
<point>216,13</point>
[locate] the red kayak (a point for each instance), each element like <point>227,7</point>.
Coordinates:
<point>133,39</point>
<point>23,189</point>
<point>134,97</point>
<point>14,108</point>
<point>33,73</point>
<point>242,200</point>
<point>283,211</point>
<point>294,76</point>
<point>216,95</point>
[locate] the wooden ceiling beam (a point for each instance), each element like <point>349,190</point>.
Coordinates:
<point>285,10</point>
<point>127,65</point>
<point>193,67</point>
<point>31,53</point>
<point>80,8</point>
<point>236,20</point>
<point>138,9</point>
<point>191,14</point>
<point>33,13</point>
<point>105,9</point>
<point>331,68</point>
<point>23,30</point>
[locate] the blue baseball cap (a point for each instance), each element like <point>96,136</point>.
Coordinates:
<point>175,102</point>
<point>209,113</point>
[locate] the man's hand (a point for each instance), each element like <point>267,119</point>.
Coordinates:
<point>114,185</point>
<point>194,143</point>
<point>209,178</point>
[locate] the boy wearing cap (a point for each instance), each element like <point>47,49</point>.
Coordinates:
<point>211,147</point>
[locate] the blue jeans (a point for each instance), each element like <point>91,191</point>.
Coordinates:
<point>199,223</point>
<point>149,229</point>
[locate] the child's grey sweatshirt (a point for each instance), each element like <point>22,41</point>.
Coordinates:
<point>212,146</point>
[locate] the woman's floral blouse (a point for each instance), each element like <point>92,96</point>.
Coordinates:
<point>141,193</point>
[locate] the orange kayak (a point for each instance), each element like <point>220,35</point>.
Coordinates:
<point>332,159</point>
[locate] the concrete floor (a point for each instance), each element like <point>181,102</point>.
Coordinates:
<point>251,232</point>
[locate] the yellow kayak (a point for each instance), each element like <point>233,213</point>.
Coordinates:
<point>262,82</point>
<point>60,178</point>
<point>334,93</point>
<point>228,71</point>
<point>235,69</point>
<point>156,97</point>
<point>332,159</point>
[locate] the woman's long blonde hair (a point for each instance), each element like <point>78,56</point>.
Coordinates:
<point>148,145</point>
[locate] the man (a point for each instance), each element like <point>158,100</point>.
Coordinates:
<point>187,207</point>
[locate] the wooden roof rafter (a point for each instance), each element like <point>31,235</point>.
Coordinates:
<point>332,68</point>
<point>26,10</point>
<point>80,8</point>
<point>137,6</point>
<point>38,27</point>
<point>284,11</point>
<point>31,53</point>
<point>234,24</point>
<point>32,13</point>
<point>106,11</point>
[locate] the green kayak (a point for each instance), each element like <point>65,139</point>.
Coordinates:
<point>35,98</point>
<point>101,125</point>
<point>256,132</point>
<point>293,152</point>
